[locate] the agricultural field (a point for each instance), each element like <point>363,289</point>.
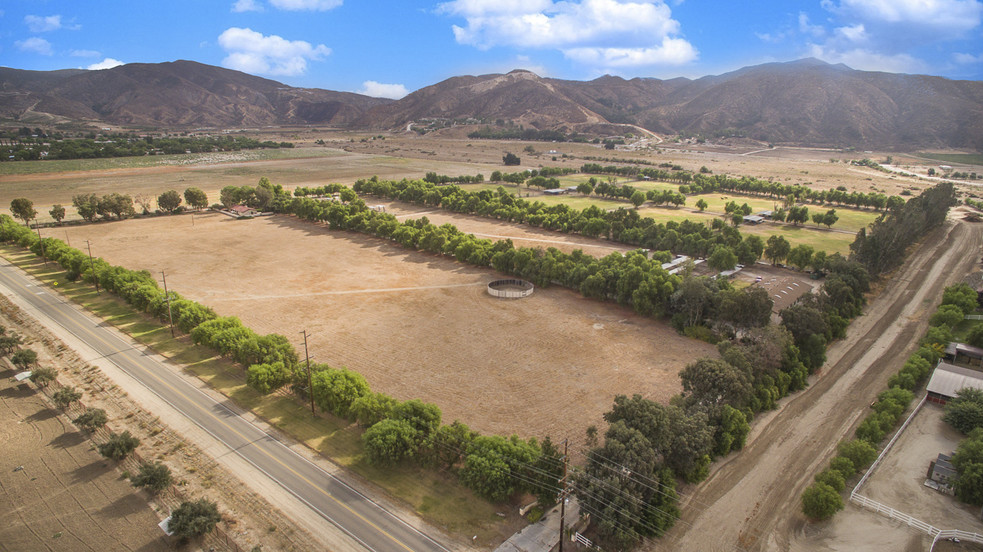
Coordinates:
<point>415,325</point>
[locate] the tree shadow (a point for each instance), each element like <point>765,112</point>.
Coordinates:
<point>89,472</point>
<point>42,415</point>
<point>19,391</point>
<point>124,506</point>
<point>68,439</point>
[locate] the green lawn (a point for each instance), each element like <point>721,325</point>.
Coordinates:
<point>966,158</point>
<point>437,496</point>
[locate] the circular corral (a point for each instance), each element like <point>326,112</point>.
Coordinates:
<point>510,288</point>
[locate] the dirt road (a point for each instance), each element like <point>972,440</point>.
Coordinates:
<point>751,501</point>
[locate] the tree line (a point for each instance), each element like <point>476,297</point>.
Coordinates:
<point>32,149</point>
<point>823,499</point>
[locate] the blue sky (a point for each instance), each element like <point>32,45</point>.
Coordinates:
<point>391,47</point>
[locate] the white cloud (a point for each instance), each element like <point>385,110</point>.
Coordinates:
<point>306,5</point>
<point>853,33</point>
<point>107,63</point>
<point>39,24</point>
<point>955,15</point>
<point>672,51</point>
<point>84,53</point>
<point>252,52</point>
<point>246,6</point>
<point>868,60</point>
<point>808,28</point>
<point>967,59</point>
<point>620,33</point>
<point>35,45</point>
<point>380,90</point>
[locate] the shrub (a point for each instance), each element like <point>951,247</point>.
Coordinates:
<point>860,452</point>
<point>119,446</point>
<point>820,501</point>
<point>92,419</point>
<point>153,477</point>
<point>833,478</point>
<point>43,376</point>
<point>193,519</point>
<point>389,441</point>
<point>65,396</point>
<point>843,465</point>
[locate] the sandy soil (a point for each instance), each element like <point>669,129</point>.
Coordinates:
<point>90,504</point>
<point>415,325</point>
<point>898,481</point>
<point>751,499</point>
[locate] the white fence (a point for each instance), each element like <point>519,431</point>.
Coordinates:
<point>907,519</point>
<point>510,288</point>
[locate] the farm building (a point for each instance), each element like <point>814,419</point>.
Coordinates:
<point>941,470</point>
<point>555,191</point>
<point>243,211</point>
<point>753,219</point>
<point>766,214</point>
<point>956,352</point>
<point>947,379</point>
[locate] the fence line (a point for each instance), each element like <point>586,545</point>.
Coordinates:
<point>887,447</point>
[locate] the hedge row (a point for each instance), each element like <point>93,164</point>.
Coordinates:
<point>822,499</point>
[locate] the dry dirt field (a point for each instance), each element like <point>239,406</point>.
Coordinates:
<point>56,492</point>
<point>415,325</point>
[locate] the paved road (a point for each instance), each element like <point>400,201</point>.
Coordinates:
<point>355,514</point>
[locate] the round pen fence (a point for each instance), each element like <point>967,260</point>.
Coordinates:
<point>510,288</point>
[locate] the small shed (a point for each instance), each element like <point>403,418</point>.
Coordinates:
<point>956,351</point>
<point>766,214</point>
<point>243,211</point>
<point>947,379</point>
<point>753,219</point>
<point>555,191</point>
<point>941,470</point>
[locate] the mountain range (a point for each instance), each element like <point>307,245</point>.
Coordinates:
<point>805,102</point>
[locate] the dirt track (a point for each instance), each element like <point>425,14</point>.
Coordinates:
<point>751,501</point>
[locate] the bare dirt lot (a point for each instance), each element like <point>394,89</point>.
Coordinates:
<point>415,325</point>
<point>56,492</point>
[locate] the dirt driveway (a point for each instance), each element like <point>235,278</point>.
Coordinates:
<point>752,499</point>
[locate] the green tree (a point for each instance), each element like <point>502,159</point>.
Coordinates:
<point>24,358</point>
<point>23,209</point>
<point>229,196</point>
<point>371,408</point>
<point>638,198</point>
<point>194,519</point>
<point>858,451</point>
<point>777,249</point>
<point>57,212</point>
<point>968,461</point>
<point>154,477</point>
<point>965,411</point>
<point>87,206</point>
<point>800,256</point>
<point>962,296</point>
<point>389,441</point>
<point>702,204</point>
<point>116,204</point>
<point>585,188</point>
<point>92,419</point>
<point>830,218</point>
<point>119,446</point>
<point>948,315</point>
<point>195,198</point>
<point>43,376</point>
<point>169,201</point>
<point>820,501</point>
<point>712,382</point>
<point>722,258</point>
<point>511,159</point>
<point>65,396</point>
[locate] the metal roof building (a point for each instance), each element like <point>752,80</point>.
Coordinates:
<point>947,379</point>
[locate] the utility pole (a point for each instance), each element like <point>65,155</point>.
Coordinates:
<point>563,496</point>
<point>168,297</point>
<point>310,384</point>
<point>37,226</point>
<point>92,266</point>
<point>68,239</point>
